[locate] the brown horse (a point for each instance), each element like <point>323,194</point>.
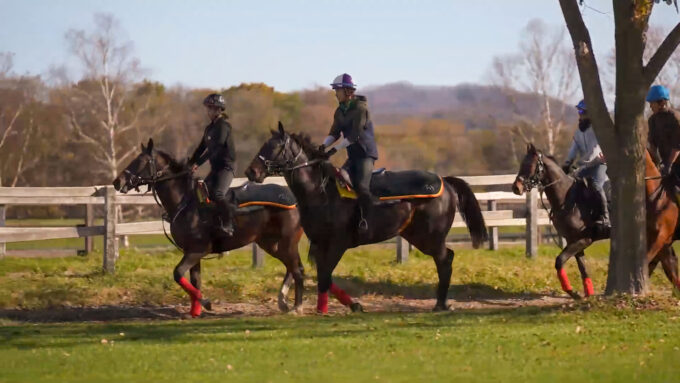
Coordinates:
<point>662,222</point>
<point>274,229</point>
<point>330,221</point>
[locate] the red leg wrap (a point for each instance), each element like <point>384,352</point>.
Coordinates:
<point>564,280</point>
<point>588,287</point>
<point>195,308</point>
<point>322,303</point>
<point>190,289</point>
<point>342,296</point>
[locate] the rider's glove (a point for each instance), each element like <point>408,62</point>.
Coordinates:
<point>331,152</point>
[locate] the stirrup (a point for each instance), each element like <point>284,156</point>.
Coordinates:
<point>363,224</point>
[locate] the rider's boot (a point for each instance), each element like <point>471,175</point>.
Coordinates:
<point>602,224</point>
<point>366,206</point>
<point>226,210</point>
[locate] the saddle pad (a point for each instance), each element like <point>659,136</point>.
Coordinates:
<point>250,194</point>
<point>400,185</point>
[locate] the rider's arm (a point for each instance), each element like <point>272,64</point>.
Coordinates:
<point>573,150</point>
<point>358,124</point>
<point>196,158</point>
<point>675,140</point>
<point>651,142</point>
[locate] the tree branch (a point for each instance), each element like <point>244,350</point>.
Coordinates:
<point>10,126</point>
<point>661,56</point>
<point>587,67</point>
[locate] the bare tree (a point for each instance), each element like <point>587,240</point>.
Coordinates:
<point>6,63</point>
<point>543,66</point>
<point>106,107</point>
<point>623,138</point>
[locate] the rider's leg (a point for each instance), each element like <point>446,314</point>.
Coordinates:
<point>223,178</point>
<point>361,178</point>
<point>599,179</point>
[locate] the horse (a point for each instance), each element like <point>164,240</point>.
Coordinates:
<point>274,229</point>
<point>331,221</point>
<point>662,222</point>
<point>570,213</point>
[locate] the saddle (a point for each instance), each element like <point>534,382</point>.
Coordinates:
<point>586,199</point>
<point>387,185</point>
<point>250,195</point>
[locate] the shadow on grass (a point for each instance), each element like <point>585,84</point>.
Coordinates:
<point>258,329</point>
<point>463,293</point>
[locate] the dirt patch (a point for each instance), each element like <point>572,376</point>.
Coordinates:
<point>371,303</point>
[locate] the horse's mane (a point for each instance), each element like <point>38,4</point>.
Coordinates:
<point>175,166</point>
<point>305,142</point>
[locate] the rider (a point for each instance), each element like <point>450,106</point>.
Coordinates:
<point>217,145</point>
<point>591,160</point>
<point>352,120</point>
<point>664,129</point>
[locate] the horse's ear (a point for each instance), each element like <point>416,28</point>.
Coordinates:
<point>281,131</point>
<point>143,148</point>
<point>531,149</point>
<point>149,146</point>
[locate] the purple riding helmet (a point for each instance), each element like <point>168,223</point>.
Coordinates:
<point>343,81</point>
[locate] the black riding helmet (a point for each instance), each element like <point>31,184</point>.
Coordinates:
<point>215,100</point>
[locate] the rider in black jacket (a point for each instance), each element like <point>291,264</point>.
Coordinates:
<point>217,145</point>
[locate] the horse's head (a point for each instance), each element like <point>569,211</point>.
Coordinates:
<point>531,171</point>
<point>278,154</point>
<point>142,170</point>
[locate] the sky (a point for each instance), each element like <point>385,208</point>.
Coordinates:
<point>299,44</point>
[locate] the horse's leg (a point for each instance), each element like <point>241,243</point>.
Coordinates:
<point>568,252</point>
<point>195,277</point>
<point>444,270</point>
<point>284,249</point>
<point>587,282</point>
<point>652,265</point>
<point>669,261</point>
<point>325,265</point>
<point>189,261</point>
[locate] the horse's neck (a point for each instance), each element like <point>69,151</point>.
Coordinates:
<point>171,193</point>
<point>307,183</point>
<point>558,183</point>
<point>651,184</point>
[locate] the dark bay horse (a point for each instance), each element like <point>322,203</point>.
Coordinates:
<point>571,220</point>
<point>569,211</point>
<point>662,222</point>
<point>274,229</point>
<point>331,222</point>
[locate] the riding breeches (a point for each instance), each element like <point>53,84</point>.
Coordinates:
<point>218,181</point>
<point>360,171</point>
<point>598,175</point>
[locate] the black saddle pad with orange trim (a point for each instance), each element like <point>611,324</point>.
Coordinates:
<point>253,194</point>
<point>401,185</point>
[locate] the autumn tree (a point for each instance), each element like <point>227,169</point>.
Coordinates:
<point>545,67</point>
<point>623,136</point>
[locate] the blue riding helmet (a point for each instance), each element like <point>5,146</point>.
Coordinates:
<point>657,93</point>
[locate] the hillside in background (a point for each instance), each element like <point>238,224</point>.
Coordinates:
<point>475,106</point>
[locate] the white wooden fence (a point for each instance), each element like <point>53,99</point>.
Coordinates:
<point>112,230</point>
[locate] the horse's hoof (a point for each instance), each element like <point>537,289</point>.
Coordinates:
<point>574,295</point>
<point>356,307</point>
<point>206,304</point>
<point>283,306</point>
<point>440,308</point>
<point>299,310</point>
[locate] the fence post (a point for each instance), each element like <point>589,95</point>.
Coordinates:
<point>258,256</point>
<point>89,221</point>
<point>493,239</point>
<point>402,250</point>
<point>532,224</point>
<point>3,247</point>
<point>110,240</point>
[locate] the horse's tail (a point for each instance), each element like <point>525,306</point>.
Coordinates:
<point>470,211</point>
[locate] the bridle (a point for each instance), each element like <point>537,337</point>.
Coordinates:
<point>277,166</point>
<point>535,180</point>
<point>155,176</point>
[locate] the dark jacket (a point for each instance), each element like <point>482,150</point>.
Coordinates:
<point>664,135</point>
<point>354,123</point>
<point>217,146</point>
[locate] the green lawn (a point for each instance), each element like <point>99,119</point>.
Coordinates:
<point>597,340</point>
<point>600,343</point>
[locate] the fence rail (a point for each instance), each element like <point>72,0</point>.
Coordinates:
<point>112,229</point>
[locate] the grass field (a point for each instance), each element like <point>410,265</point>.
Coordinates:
<point>598,340</point>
